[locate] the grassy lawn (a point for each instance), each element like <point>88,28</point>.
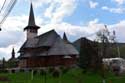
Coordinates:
<point>73,76</point>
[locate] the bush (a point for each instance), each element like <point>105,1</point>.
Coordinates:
<point>56,73</point>
<point>34,72</point>
<point>13,71</point>
<point>51,69</point>
<point>64,70</point>
<point>43,72</point>
<point>21,70</point>
<point>3,71</point>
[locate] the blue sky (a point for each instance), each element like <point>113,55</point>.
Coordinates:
<point>78,18</point>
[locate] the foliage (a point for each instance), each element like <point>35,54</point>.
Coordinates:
<point>65,70</point>
<point>11,64</point>
<point>114,51</point>
<point>89,59</point>
<point>43,72</point>
<point>51,69</point>
<point>56,73</point>
<point>73,76</point>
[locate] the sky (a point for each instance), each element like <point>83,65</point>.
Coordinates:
<point>78,18</point>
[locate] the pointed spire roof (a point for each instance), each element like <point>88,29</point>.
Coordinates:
<point>31,22</point>
<point>65,37</point>
<point>31,17</point>
<point>13,53</point>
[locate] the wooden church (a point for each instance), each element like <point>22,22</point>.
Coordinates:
<point>47,49</point>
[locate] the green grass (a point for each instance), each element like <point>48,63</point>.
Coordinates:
<point>73,76</point>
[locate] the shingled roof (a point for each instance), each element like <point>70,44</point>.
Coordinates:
<point>57,46</point>
<point>60,47</point>
<point>47,39</point>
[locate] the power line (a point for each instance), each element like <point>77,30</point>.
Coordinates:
<point>7,11</point>
<point>9,8</point>
<point>2,6</point>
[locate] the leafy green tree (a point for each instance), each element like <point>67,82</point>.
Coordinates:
<point>105,39</point>
<point>88,59</point>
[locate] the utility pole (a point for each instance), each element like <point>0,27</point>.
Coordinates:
<point>102,56</point>
<point>118,51</point>
<point>103,36</point>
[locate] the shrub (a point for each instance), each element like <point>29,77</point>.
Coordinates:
<point>51,69</point>
<point>34,72</point>
<point>3,71</point>
<point>21,70</point>
<point>43,72</point>
<point>65,70</point>
<point>13,71</point>
<point>56,73</point>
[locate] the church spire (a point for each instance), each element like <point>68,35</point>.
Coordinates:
<point>31,17</point>
<point>32,28</point>
<point>31,22</point>
<point>13,53</point>
<point>65,37</point>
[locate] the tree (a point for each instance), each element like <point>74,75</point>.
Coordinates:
<point>88,59</point>
<point>105,39</point>
<point>3,63</point>
<point>84,54</point>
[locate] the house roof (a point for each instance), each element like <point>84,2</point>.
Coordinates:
<point>29,43</point>
<point>62,48</point>
<point>47,39</point>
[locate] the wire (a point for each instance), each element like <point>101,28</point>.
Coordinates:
<point>3,6</point>
<point>9,8</point>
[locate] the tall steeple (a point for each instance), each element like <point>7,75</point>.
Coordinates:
<point>13,54</point>
<point>31,28</point>
<point>31,17</point>
<point>65,37</point>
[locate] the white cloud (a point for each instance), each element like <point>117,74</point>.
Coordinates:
<point>6,51</point>
<point>74,30</point>
<point>118,10</point>
<point>93,4</point>
<point>120,2</point>
<point>38,3</point>
<point>119,28</point>
<point>71,30</point>
<point>59,9</point>
<point>2,2</point>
